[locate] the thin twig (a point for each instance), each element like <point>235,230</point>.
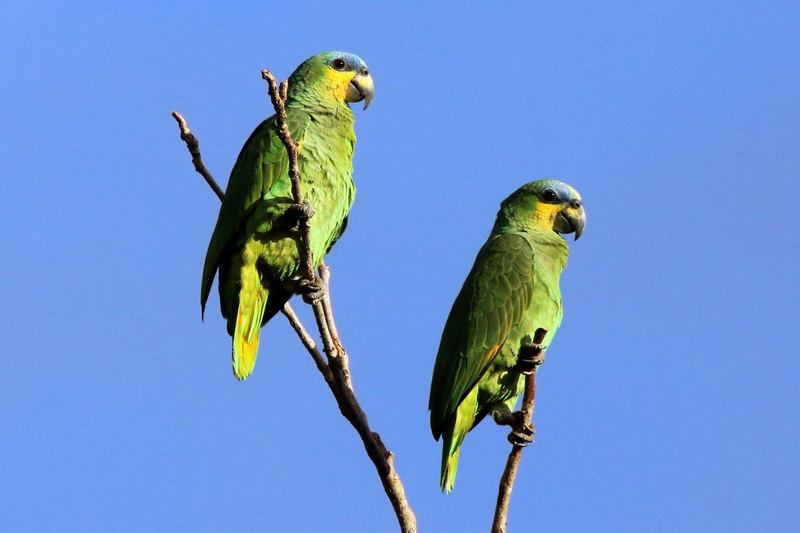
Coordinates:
<point>344,364</point>
<point>510,472</point>
<point>325,274</point>
<point>348,405</point>
<point>307,341</point>
<point>194,148</point>
<point>338,361</point>
<point>278,96</point>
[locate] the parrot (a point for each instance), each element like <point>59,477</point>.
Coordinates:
<point>254,245</point>
<point>511,292</point>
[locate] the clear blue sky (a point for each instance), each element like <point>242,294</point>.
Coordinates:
<point>669,400</point>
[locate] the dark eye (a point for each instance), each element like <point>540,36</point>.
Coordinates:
<point>338,64</point>
<point>550,196</point>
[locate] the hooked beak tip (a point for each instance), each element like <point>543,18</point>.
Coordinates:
<point>360,88</point>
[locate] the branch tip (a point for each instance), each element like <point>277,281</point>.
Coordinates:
<point>193,145</point>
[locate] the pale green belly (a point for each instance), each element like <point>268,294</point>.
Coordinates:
<point>275,249</point>
<point>503,382</point>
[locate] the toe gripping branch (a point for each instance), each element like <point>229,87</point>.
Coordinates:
<point>531,355</point>
<point>299,213</point>
<point>521,429</point>
<point>313,290</point>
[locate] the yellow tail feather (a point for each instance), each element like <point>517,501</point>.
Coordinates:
<point>245,337</point>
<point>462,422</point>
<point>449,467</point>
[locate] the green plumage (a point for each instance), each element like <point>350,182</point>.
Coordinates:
<point>253,246</point>
<point>511,291</point>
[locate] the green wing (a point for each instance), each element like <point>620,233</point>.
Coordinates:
<point>261,163</point>
<point>496,293</point>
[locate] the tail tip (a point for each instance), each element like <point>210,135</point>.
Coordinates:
<point>448,480</point>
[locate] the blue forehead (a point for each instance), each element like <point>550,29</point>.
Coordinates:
<point>354,63</point>
<point>564,191</point>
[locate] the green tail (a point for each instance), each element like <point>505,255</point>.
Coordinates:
<point>449,467</point>
<point>453,437</point>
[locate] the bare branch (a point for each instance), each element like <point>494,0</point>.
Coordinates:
<point>338,361</point>
<point>194,148</point>
<point>278,97</point>
<point>350,409</point>
<point>325,274</point>
<point>510,471</point>
<point>307,341</point>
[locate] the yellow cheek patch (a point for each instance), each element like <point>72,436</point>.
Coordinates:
<point>338,81</point>
<point>545,214</point>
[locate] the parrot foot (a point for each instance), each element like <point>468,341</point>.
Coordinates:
<point>301,211</point>
<point>292,217</point>
<point>521,432</point>
<point>312,290</point>
<point>297,213</point>
<point>530,356</point>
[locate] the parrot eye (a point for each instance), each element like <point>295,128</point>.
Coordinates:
<point>338,64</point>
<point>549,196</point>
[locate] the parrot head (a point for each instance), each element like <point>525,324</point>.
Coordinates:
<point>334,77</point>
<point>549,203</point>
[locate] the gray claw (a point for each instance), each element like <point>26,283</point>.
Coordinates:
<point>297,213</point>
<point>301,211</point>
<point>522,433</point>
<point>312,290</point>
<point>530,356</point>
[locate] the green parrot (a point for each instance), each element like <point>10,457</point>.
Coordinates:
<point>511,291</point>
<point>255,243</point>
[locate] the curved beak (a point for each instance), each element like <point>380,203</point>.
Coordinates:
<point>360,88</point>
<point>572,219</point>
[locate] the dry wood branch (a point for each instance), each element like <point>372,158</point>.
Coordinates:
<point>337,371</point>
<point>510,472</point>
<point>341,353</point>
<point>345,396</point>
<point>338,361</point>
<point>307,341</point>
<point>194,148</point>
<point>278,97</point>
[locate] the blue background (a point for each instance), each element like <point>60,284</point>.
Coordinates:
<point>669,399</point>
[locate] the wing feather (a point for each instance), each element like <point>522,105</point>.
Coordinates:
<point>496,293</point>
<point>262,161</point>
